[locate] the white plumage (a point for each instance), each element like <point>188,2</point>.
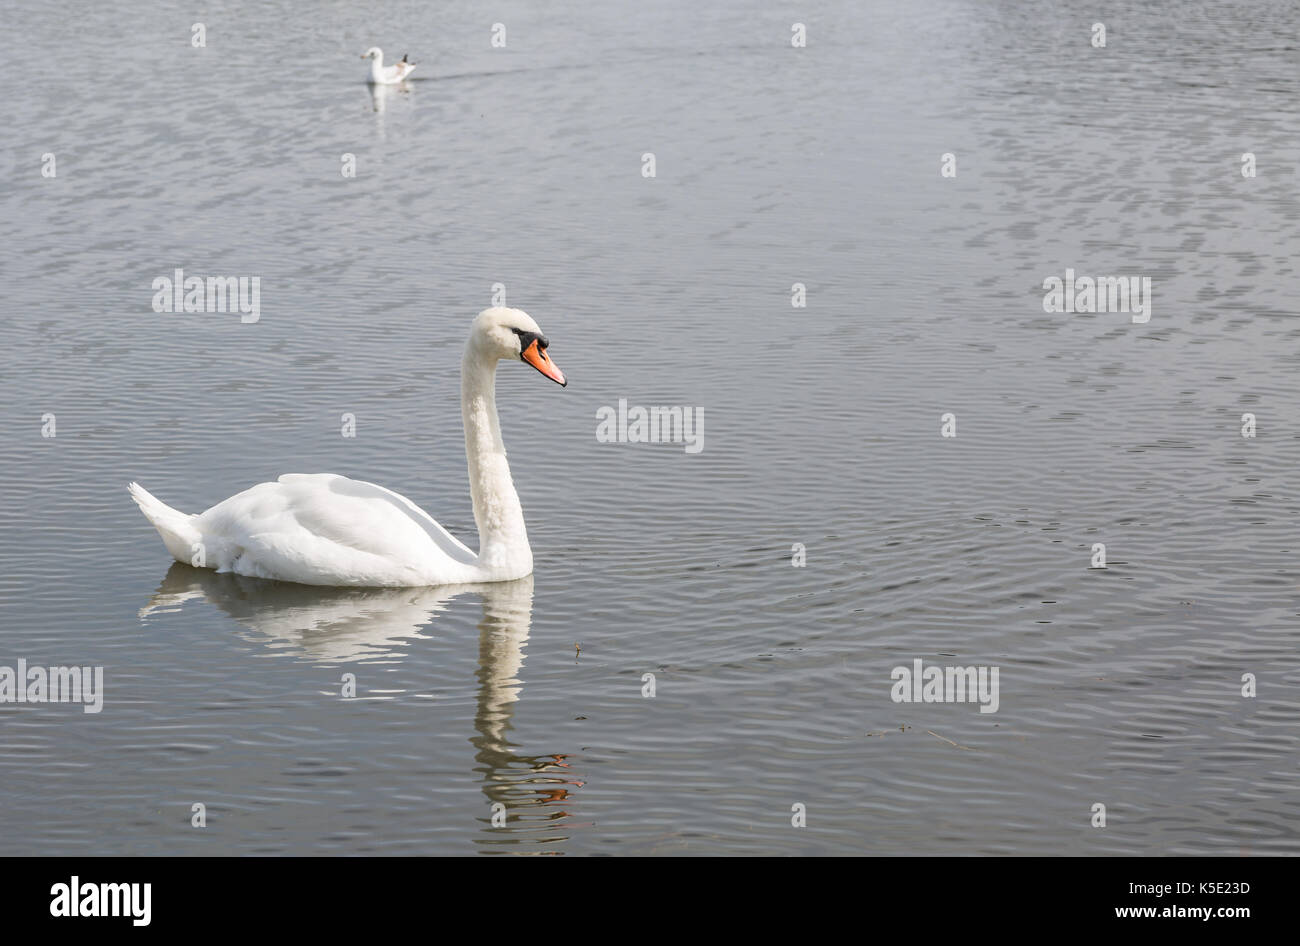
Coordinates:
<point>326,529</point>
<point>386,75</point>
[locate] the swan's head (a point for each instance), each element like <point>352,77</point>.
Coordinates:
<point>510,333</point>
<point>374,52</point>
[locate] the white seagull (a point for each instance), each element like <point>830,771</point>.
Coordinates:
<point>386,75</point>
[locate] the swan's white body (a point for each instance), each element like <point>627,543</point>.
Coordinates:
<point>325,529</point>
<point>386,75</point>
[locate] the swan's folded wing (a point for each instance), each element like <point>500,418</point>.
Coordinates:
<point>322,528</point>
<point>441,537</point>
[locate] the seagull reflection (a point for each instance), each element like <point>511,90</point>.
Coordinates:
<point>363,624</point>
<point>380,94</point>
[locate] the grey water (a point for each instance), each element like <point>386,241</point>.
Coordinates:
<point>774,165</point>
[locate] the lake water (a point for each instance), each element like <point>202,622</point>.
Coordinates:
<point>774,165</point>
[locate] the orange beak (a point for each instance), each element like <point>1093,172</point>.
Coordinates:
<point>536,356</point>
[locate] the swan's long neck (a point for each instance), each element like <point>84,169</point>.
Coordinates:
<point>503,540</point>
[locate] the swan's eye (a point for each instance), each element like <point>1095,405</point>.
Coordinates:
<point>527,338</point>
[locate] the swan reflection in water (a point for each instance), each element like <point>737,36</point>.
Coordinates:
<point>355,625</point>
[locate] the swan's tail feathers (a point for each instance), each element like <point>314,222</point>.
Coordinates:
<point>175,527</point>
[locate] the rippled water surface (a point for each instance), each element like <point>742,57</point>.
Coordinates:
<point>774,165</point>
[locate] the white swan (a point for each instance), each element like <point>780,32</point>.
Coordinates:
<point>386,75</point>
<point>324,529</point>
